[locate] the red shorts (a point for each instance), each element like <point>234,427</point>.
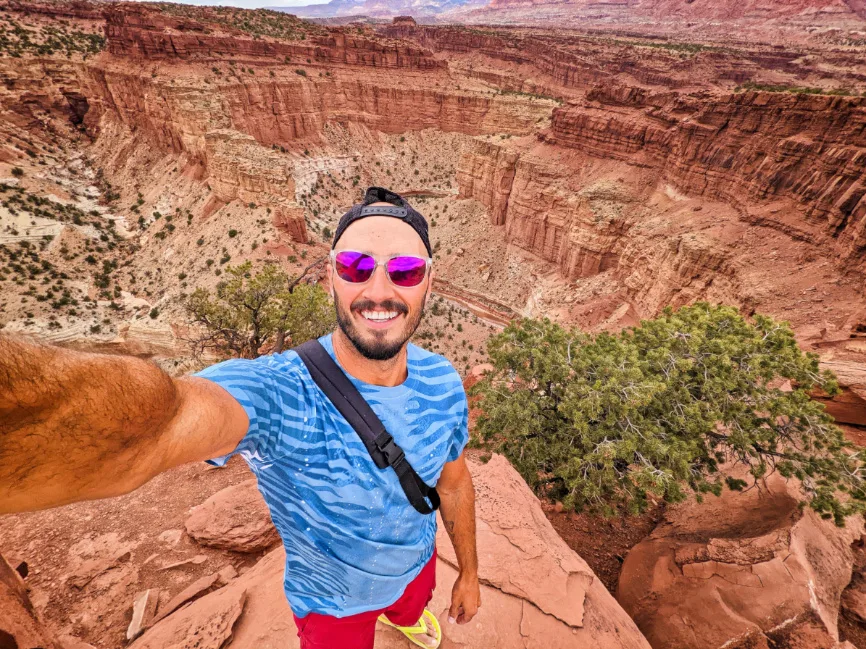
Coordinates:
<point>358,631</point>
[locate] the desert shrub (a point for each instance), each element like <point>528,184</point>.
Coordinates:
<point>612,421</point>
<point>247,311</point>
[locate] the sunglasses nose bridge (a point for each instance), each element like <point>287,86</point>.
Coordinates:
<point>379,283</point>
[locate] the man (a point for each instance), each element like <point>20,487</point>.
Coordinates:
<point>77,426</point>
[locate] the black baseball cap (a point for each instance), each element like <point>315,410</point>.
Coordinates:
<point>400,210</point>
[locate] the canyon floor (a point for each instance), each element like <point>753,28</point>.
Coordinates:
<point>592,175</point>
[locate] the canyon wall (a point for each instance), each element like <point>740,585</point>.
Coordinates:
<point>783,160</point>
<point>135,31</point>
<point>743,148</point>
<point>716,10</point>
<point>292,100</point>
<point>576,61</point>
<point>245,108</point>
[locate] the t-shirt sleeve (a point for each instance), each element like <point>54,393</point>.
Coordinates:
<point>461,433</point>
<point>269,396</point>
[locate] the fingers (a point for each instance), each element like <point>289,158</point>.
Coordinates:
<point>465,601</point>
<point>455,611</point>
<point>467,613</point>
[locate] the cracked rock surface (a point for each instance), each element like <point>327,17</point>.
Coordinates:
<point>739,569</point>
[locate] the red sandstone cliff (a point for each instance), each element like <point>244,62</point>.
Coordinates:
<point>140,32</point>
<point>285,101</point>
<point>739,148</point>
<point>697,10</point>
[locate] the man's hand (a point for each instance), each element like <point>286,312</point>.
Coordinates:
<point>465,599</point>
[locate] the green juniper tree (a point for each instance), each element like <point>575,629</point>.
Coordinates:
<point>603,422</point>
<point>248,311</point>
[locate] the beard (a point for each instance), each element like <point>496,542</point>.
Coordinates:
<point>377,345</point>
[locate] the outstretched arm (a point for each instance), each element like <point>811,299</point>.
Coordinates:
<point>77,426</point>
<point>458,514</point>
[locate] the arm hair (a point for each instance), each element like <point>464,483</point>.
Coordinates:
<point>77,426</point>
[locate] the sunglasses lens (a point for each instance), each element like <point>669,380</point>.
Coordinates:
<point>407,271</point>
<point>354,267</point>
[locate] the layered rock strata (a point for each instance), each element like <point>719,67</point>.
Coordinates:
<point>139,32</point>
<point>247,130</point>
<point>744,148</point>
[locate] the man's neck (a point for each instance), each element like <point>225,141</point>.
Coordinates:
<point>385,373</point>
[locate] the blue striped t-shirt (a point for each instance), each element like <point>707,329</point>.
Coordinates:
<point>353,542</point>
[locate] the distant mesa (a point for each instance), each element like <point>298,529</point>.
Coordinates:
<point>383,8</point>
<point>404,21</point>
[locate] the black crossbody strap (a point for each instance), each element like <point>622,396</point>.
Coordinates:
<point>378,441</point>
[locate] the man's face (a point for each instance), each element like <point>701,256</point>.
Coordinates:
<point>380,237</point>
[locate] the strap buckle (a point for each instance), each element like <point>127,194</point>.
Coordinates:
<point>392,453</point>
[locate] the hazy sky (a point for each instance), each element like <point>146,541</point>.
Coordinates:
<point>252,4</point>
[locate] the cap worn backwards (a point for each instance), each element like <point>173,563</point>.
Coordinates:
<point>398,209</point>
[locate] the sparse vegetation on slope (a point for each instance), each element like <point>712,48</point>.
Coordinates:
<point>17,39</point>
<point>797,90</point>
<point>607,421</point>
<point>257,22</point>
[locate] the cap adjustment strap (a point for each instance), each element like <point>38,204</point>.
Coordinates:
<point>385,211</point>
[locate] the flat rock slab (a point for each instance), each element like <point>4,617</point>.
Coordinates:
<point>518,611</point>
<point>196,589</point>
<point>206,624</point>
<point>143,612</point>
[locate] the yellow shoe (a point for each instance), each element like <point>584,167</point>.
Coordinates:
<point>426,624</point>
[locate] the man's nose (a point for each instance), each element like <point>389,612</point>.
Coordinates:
<point>379,289</point>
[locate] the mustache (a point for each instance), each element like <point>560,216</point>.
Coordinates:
<point>387,305</point>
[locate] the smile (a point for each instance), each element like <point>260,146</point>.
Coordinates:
<point>379,316</point>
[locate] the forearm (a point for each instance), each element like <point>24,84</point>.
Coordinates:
<point>75,426</point>
<point>458,515</point>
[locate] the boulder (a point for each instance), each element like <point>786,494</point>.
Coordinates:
<point>536,592</point>
<point>740,570</point>
<point>849,406</point>
<point>235,518</point>
<point>20,626</point>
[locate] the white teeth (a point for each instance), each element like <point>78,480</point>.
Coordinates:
<point>379,315</point>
